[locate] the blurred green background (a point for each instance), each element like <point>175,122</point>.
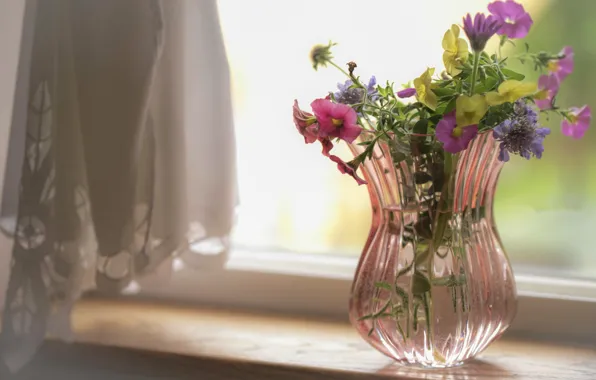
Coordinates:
<point>546,209</point>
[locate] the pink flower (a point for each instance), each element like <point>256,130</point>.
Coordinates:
<point>336,120</point>
<point>306,124</point>
<point>327,145</point>
<point>515,21</point>
<point>346,168</point>
<point>561,68</point>
<point>454,138</point>
<point>548,86</point>
<point>577,122</point>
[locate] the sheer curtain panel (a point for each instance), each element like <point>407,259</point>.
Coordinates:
<point>117,150</point>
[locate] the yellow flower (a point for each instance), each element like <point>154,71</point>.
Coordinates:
<point>423,88</point>
<point>541,95</point>
<point>509,91</point>
<point>470,109</point>
<point>456,50</point>
<point>553,66</point>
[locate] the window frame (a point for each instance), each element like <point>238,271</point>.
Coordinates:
<point>550,308</point>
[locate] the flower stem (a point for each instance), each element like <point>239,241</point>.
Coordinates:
<point>444,212</point>
<point>474,72</point>
<point>353,78</point>
<point>442,217</point>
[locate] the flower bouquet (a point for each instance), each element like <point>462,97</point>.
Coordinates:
<point>434,286</point>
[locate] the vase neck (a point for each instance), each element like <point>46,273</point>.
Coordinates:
<point>477,175</point>
<point>411,185</point>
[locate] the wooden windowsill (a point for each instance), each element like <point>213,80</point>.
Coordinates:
<point>168,342</point>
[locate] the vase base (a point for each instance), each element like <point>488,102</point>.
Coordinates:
<point>427,366</point>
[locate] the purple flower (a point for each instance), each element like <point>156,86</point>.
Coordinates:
<point>522,109</point>
<point>521,134</point>
<point>480,30</point>
<point>454,138</point>
<point>348,94</point>
<point>577,123</point>
<point>561,68</point>
<point>354,95</point>
<point>515,21</point>
<point>371,88</point>
<point>406,93</point>
<point>549,87</point>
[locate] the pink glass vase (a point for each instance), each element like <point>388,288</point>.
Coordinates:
<point>433,286</point>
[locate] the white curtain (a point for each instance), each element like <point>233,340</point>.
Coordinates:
<point>116,149</point>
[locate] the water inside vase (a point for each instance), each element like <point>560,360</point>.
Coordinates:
<point>434,286</point>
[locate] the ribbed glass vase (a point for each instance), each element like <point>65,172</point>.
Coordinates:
<point>433,286</point>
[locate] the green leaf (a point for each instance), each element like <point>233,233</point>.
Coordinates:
<point>417,143</point>
<point>434,119</point>
<point>442,92</point>
<point>512,74</point>
<point>421,127</point>
<point>398,156</point>
<point>445,281</point>
<point>503,40</point>
<point>426,305</point>
<point>420,284</point>
<point>489,84</point>
<point>403,294</point>
<point>377,314</point>
<point>451,105</point>
<point>445,108</point>
<point>399,150</point>
<point>443,83</point>
<point>397,310</point>
<point>415,320</point>
<point>482,72</point>
<point>401,331</point>
<point>383,285</point>
<point>386,91</point>
<point>422,257</point>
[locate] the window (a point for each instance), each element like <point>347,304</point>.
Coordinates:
<point>299,218</point>
<point>293,199</point>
